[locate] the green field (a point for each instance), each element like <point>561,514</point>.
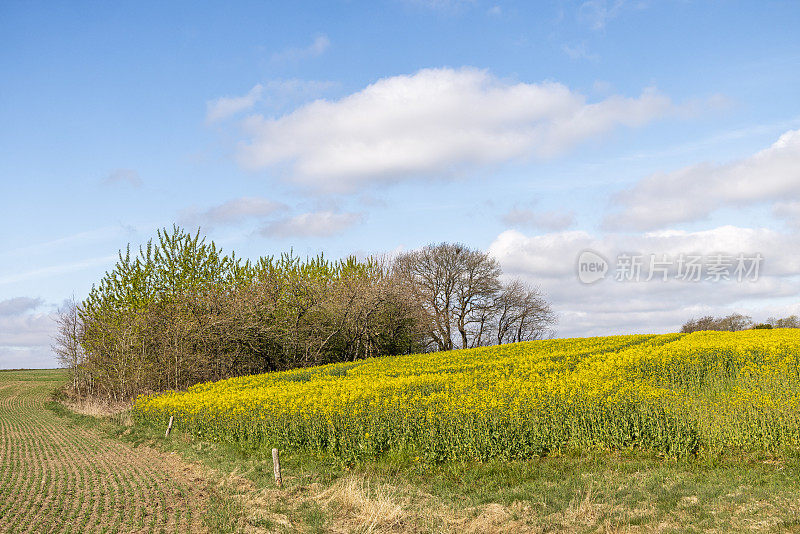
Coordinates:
<point>59,475</point>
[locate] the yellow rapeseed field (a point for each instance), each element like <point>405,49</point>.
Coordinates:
<point>674,394</point>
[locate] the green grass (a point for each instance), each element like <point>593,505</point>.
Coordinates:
<point>576,493</point>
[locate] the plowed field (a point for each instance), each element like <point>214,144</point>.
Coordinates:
<point>56,476</point>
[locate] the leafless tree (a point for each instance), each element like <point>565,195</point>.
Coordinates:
<point>451,284</point>
<point>731,323</point>
<point>67,341</point>
<point>464,302</point>
<point>784,322</point>
<point>477,288</point>
<point>523,314</point>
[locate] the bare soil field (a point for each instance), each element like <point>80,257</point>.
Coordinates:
<point>59,476</point>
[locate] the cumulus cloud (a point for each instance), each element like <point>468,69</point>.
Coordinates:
<point>18,305</point>
<point>25,336</point>
<point>312,224</point>
<point>433,122</point>
<point>227,106</point>
<point>123,177</point>
<point>609,306</point>
<point>545,220</point>
<point>317,47</point>
<point>233,211</point>
<point>693,193</point>
<point>26,330</point>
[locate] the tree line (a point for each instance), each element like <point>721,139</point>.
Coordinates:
<point>736,322</point>
<point>178,312</point>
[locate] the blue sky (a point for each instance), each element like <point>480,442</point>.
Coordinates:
<point>531,130</point>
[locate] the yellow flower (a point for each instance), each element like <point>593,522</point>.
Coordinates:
<point>663,393</point>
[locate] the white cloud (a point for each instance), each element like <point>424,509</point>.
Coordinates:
<point>26,330</point>
<point>232,212</point>
<point>123,177</point>
<point>226,106</point>
<point>273,94</point>
<point>694,192</point>
<point>317,47</point>
<point>789,211</point>
<point>312,224</point>
<point>546,220</point>
<point>25,337</point>
<point>608,306</point>
<point>18,305</point>
<point>434,122</point>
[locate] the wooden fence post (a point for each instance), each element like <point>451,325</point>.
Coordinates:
<point>169,426</point>
<point>276,467</point>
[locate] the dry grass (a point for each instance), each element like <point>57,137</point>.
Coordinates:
<point>359,503</point>
<point>366,506</point>
<point>96,408</point>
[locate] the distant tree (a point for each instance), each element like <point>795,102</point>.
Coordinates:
<point>707,322</point>
<point>452,285</point>
<point>735,322</point>
<point>786,322</point>
<point>731,323</point>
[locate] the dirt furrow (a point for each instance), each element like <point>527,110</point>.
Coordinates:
<point>57,476</point>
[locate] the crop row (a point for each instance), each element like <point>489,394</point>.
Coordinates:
<point>61,477</point>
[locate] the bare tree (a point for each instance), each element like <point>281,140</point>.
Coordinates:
<point>477,287</point>
<point>731,323</point>
<point>429,277</point>
<point>785,322</point>
<point>735,322</point>
<point>463,300</point>
<point>453,285</point>
<point>67,341</point>
<point>523,314</point>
